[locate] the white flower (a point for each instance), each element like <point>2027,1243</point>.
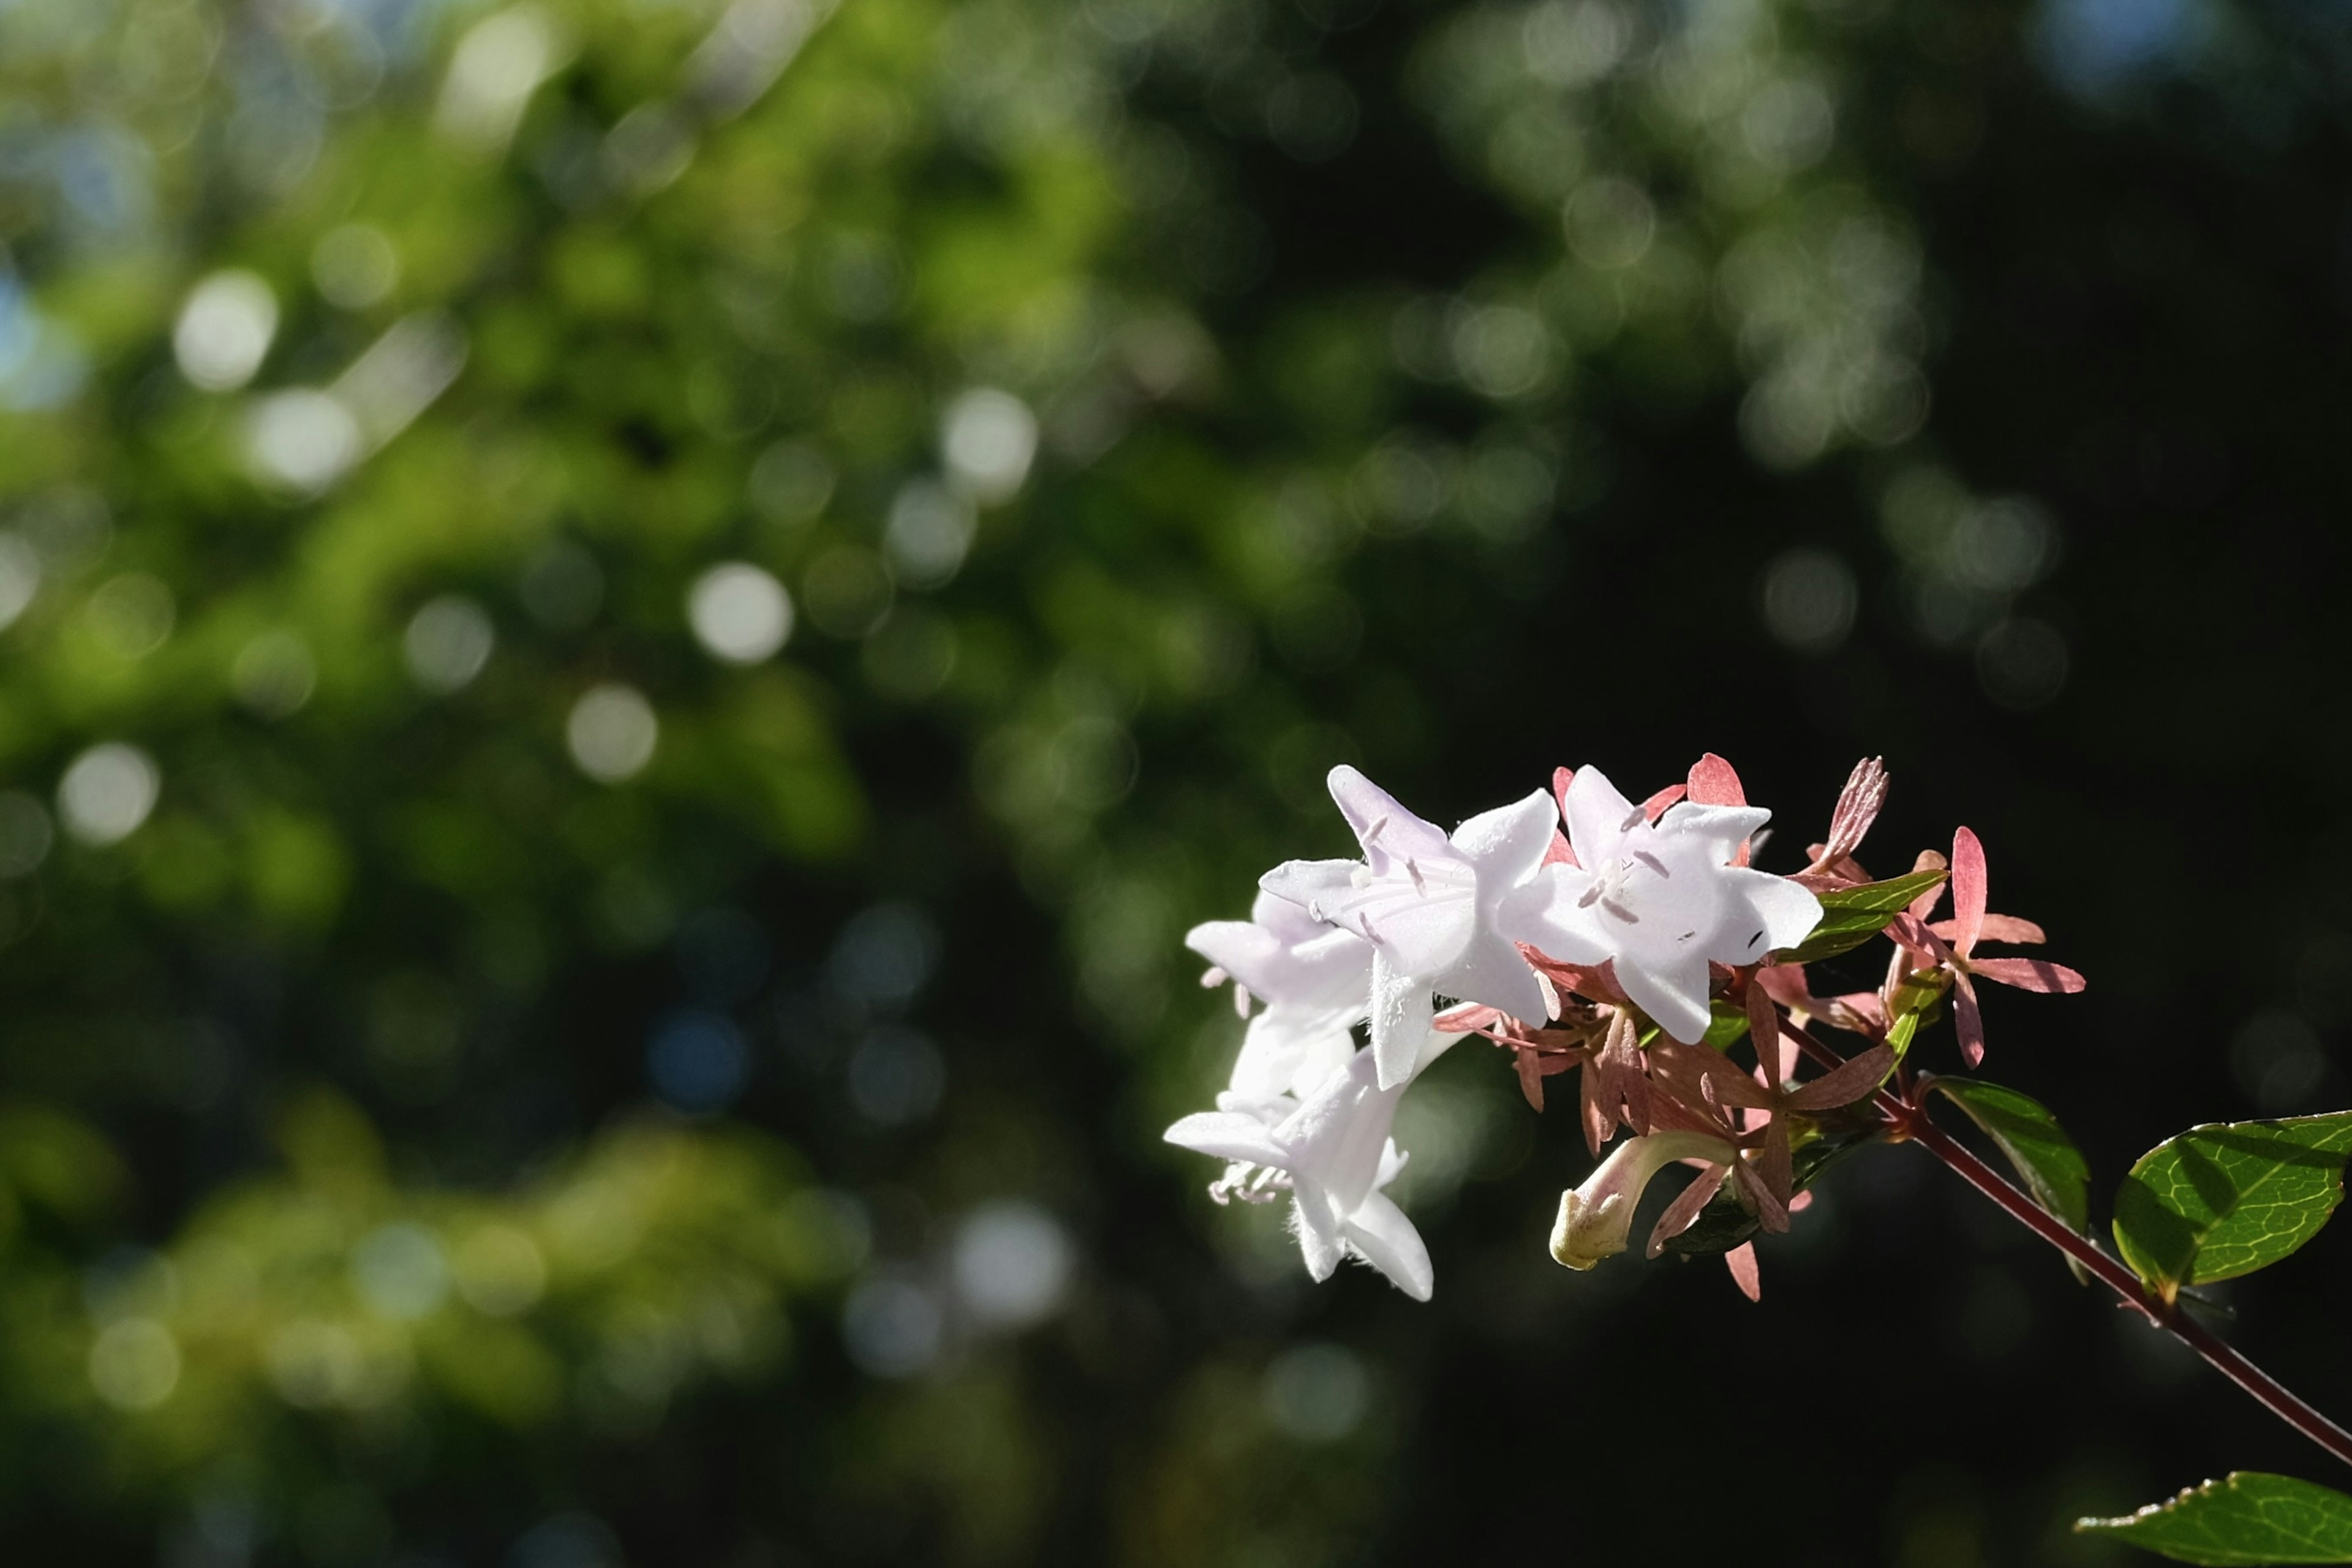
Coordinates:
<point>1333,1153</point>
<point>1315,980</point>
<point>1663,899</point>
<point>1442,913</point>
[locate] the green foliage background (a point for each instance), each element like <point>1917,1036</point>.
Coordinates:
<point>1432,386</point>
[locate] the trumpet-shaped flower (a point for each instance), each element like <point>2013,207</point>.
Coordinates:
<point>1333,1151</point>
<point>1442,912</point>
<point>1315,980</point>
<point>1661,900</point>
<point>1596,1218</point>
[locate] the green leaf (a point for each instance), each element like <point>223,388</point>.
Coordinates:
<point>2227,1199</point>
<point>1852,916</point>
<point>2247,1519</point>
<point>1726,1024</point>
<point>2036,1147</point>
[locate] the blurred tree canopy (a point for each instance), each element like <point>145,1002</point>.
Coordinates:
<point>633,628</point>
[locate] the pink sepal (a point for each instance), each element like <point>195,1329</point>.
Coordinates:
<point>1967,1020</point>
<point>1841,1086</point>
<point>1714,782</point>
<point>1967,890</point>
<point>1741,1261</point>
<point>1996,928</point>
<point>1683,1213</point>
<point>1764,1030</point>
<point>1558,853</point>
<point>1924,904</point>
<point>2030,974</point>
<point>1655,806</point>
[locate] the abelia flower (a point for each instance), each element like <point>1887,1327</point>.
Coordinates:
<point>1315,980</point>
<point>1333,1153</point>
<point>1442,912</point>
<point>1660,900</point>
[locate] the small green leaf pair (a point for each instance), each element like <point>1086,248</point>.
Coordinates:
<point>1852,916</point>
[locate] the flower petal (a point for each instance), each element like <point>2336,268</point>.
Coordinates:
<point>1318,1229</point>
<point>1380,1233</point>
<point>1491,971</point>
<point>1401,1015</point>
<point>1672,992</point>
<point>1596,817</point>
<point>1389,833</point>
<point>1783,911</point>
<point>1311,884</point>
<point>1509,842</point>
<point>2030,974</point>
<point>1290,1049</point>
<point>1336,1138</point>
<point>1967,890</point>
<point>1228,1135</point>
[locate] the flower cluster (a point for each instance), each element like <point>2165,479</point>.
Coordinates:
<point>1580,931</point>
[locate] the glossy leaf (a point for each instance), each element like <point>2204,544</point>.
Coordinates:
<point>1852,916</point>
<point>2224,1200</point>
<point>2029,1138</point>
<point>2246,1518</point>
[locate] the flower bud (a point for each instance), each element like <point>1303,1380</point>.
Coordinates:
<point>1596,1218</point>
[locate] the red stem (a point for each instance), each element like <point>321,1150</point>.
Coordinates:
<point>1910,1121</point>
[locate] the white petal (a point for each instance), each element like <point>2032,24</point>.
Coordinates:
<point>1402,1010</point>
<point>1544,915</point>
<point>1493,971</point>
<point>1421,925</point>
<point>1597,815</point>
<point>1382,1235</point>
<point>1290,1049</point>
<point>1228,1135</point>
<point>1722,829</point>
<point>1334,1140</point>
<point>1674,993</point>
<point>1289,922</point>
<point>1241,948</point>
<point>1388,832</point>
<point>1678,896</point>
<point>1321,1239</point>
<point>1786,912</point>
<point>1507,843</point>
<point>1310,884</point>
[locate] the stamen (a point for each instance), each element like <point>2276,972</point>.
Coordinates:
<point>1652,862</point>
<point>1631,823</point>
<point>1373,834</point>
<point>1621,911</point>
<point>1591,894</point>
<point>1420,883</point>
<point>1213,977</point>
